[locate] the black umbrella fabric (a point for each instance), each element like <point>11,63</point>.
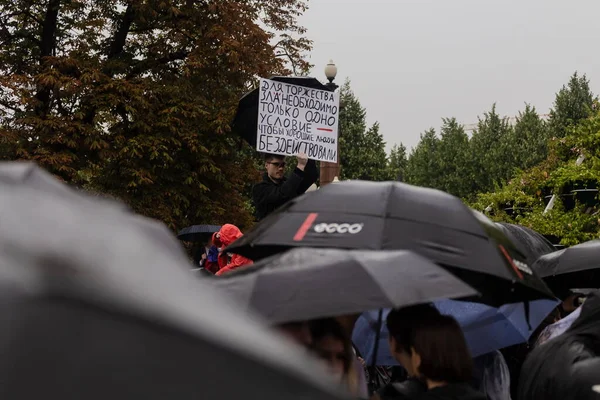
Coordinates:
<point>529,242</point>
<point>570,268</point>
<point>198,233</point>
<point>397,216</point>
<point>106,313</point>
<point>245,121</point>
<point>303,283</point>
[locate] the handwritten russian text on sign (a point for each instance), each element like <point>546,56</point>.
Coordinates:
<point>294,119</point>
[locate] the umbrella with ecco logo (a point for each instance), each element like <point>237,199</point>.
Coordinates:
<point>397,216</point>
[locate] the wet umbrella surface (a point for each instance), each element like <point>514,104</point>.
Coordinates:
<point>529,242</point>
<point>573,267</point>
<point>304,283</point>
<point>108,313</point>
<point>486,328</point>
<point>397,216</point>
<point>197,233</point>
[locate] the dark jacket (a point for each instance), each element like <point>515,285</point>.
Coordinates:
<point>567,366</point>
<point>452,391</point>
<point>407,390</point>
<point>267,195</point>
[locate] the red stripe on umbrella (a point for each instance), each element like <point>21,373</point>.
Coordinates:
<point>305,227</point>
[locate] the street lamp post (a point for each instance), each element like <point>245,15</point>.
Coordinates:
<point>329,171</point>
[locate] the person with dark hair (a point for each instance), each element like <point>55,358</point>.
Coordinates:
<point>567,366</point>
<point>432,349</point>
<point>275,189</point>
<point>333,346</point>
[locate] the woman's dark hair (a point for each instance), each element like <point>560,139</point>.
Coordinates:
<point>400,323</point>
<point>438,339</point>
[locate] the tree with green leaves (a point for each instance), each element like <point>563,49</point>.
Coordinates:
<point>373,163</point>
<point>492,155</point>
<point>134,98</point>
<point>424,165</point>
<point>574,216</point>
<point>454,158</point>
<point>397,163</point>
<point>362,150</point>
<point>572,104</point>
<point>530,138</point>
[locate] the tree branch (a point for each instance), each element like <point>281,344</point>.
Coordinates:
<point>120,38</point>
<point>116,48</point>
<point>47,44</point>
<point>143,65</point>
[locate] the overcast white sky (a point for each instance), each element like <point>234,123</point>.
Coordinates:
<point>412,62</point>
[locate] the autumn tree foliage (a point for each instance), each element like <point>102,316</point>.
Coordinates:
<point>134,98</point>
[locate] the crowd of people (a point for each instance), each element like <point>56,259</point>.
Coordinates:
<point>430,348</point>
<point>431,353</point>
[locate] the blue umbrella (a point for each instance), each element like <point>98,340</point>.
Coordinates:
<point>486,328</point>
<point>197,233</point>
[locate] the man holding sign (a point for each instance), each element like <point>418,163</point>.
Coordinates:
<point>275,189</point>
<point>293,120</point>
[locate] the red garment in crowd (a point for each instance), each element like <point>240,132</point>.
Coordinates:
<point>227,235</point>
<point>211,267</point>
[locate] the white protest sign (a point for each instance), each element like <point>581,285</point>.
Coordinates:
<point>294,119</point>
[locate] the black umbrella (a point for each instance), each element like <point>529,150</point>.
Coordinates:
<point>198,233</point>
<point>573,267</point>
<point>393,215</point>
<point>304,283</point>
<point>530,243</point>
<point>107,313</point>
<point>245,121</point>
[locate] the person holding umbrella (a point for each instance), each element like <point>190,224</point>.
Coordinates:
<point>228,234</point>
<point>275,189</point>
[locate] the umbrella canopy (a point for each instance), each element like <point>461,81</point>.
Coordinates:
<point>486,328</point>
<point>246,118</point>
<point>106,313</point>
<point>304,283</point>
<point>397,216</point>
<point>198,233</point>
<point>529,242</point>
<point>30,175</point>
<point>573,267</point>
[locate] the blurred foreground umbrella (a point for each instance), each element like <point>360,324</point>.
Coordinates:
<point>304,283</point>
<point>106,313</point>
<point>486,328</point>
<point>198,233</point>
<point>245,121</point>
<point>529,242</point>
<point>573,267</point>
<point>397,216</point>
<point>30,175</point>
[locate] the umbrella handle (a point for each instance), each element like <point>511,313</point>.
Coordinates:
<point>526,309</point>
<point>377,336</point>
